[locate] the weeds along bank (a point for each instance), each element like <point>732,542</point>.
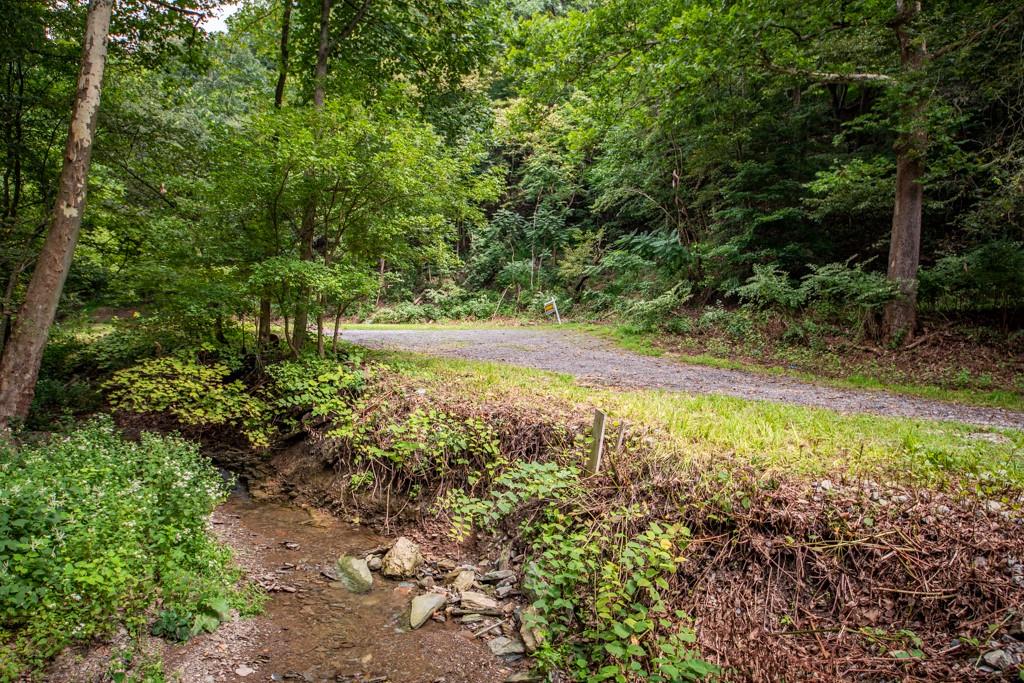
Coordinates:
<point>723,539</point>
<point>100,535</point>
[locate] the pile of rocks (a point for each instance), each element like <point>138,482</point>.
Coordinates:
<point>483,598</point>
<point>1005,655</point>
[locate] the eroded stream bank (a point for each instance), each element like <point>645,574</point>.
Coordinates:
<point>315,630</point>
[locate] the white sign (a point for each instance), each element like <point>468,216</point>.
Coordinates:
<point>551,307</point>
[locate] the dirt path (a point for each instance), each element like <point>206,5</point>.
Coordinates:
<point>595,360</point>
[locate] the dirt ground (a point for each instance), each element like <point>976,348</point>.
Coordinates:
<point>595,360</point>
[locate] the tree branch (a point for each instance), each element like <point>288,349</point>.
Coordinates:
<point>946,49</point>
<point>830,77</point>
<point>180,10</point>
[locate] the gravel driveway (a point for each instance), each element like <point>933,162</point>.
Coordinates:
<point>595,360</point>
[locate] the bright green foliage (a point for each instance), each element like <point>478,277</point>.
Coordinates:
<point>193,393</point>
<point>96,530</point>
<point>427,444</point>
<point>600,596</point>
<point>835,292</point>
<point>708,140</point>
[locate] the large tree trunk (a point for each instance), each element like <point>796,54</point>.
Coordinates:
<point>905,243</point>
<point>19,367</point>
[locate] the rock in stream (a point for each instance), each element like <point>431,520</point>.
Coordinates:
<point>402,560</point>
<point>354,574</point>
<point>423,607</point>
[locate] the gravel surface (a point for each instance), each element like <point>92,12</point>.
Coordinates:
<point>595,360</point>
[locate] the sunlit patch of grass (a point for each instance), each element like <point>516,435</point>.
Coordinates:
<point>449,325</point>
<point>724,431</point>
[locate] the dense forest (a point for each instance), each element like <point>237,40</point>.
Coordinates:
<point>858,160</point>
<point>198,196</point>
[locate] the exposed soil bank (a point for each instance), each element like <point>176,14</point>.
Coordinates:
<point>598,361</point>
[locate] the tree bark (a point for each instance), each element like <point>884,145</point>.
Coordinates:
<point>307,231</point>
<point>900,315</point>
<point>19,368</point>
<point>263,326</point>
<point>320,334</point>
<point>282,67</point>
<point>306,234</point>
<point>337,324</point>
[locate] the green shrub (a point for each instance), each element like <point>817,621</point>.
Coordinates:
<point>193,393</point>
<point>600,594</point>
<point>95,531</point>
<point>733,323</point>
<point>656,313</point>
<point>401,313</point>
<point>770,288</point>
<point>990,276</point>
<point>835,292</point>
<point>847,293</point>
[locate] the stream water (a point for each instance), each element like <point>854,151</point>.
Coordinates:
<point>315,630</point>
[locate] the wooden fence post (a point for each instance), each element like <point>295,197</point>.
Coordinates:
<point>594,464</point>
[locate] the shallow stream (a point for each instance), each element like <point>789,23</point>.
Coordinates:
<point>315,630</point>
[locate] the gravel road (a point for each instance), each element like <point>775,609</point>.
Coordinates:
<point>595,360</point>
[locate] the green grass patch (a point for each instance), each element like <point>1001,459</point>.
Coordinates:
<point>712,431</point>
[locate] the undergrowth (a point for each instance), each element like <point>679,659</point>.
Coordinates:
<point>97,533</point>
<point>701,494</point>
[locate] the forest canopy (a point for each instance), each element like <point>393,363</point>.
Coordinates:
<point>857,161</point>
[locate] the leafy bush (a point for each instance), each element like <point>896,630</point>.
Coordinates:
<point>600,595</point>
<point>405,312</point>
<point>771,288</point>
<point>838,290</point>
<point>991,276</point>
<point>656,313</point>
<point>75,354</point>
<point>451,303</point>
<point>311,384</point>
<point>733,323</point>
<point>96,530</point>
<point>193,393</point>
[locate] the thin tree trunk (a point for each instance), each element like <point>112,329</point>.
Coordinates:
<point>282,69</point>
<point>263,327</point>
<point>19,368</point>
<point>307,231</point>
<point>306,234</point>
<point>337,324</point>
<point>6,314</point>
<point>320,334</point>
<point>905,244</point>
<point>323,51</point>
